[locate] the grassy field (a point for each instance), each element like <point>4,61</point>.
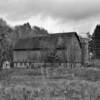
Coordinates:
<point>63,84</point>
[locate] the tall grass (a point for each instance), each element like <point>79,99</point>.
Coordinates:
<point>66,90</point>
<point>61,83</point>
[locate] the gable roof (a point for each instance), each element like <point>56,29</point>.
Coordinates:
<point>44,42</point>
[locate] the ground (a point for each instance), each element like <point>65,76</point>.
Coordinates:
<point>64,83</point>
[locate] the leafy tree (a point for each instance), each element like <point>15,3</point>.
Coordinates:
<point>95,42</point>
<point>23,31</point>
<point>5,50</point>
<point>40,31</point>
<point>89,36</point>
<point>5,43</point>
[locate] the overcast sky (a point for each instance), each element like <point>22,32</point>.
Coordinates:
<point>54,15</point>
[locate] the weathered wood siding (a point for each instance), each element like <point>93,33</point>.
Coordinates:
<point>27,56</point>
<point>75,51</point>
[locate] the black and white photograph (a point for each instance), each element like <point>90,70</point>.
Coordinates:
<point>49,49</point>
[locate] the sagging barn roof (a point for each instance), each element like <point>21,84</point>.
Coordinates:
<point>46,42</point>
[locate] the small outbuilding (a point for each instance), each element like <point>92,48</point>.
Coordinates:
<point>6,65</point>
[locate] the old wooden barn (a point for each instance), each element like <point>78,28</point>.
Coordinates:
<point>54,48</point>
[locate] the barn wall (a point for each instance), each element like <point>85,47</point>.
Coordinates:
<point>19,56</point>
<point>27,59</point>
<point>73,51</point>
<point>76,49</point>
<point>31,56</point>
<point>26,56</point>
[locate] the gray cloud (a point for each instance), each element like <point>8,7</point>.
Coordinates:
<point>64,9</point>
<point>66,15</point>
